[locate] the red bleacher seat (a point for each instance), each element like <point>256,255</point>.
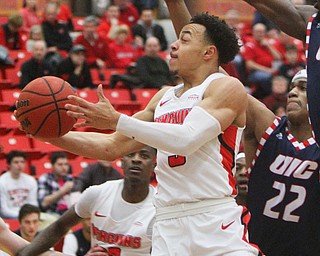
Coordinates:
<point>9,97</point>
<point>47,148</point>
<point>9,123</point>
<point>13,224</point>
<point>79,163</point>
<point>116,164</point>
<point>41,166</point>
<point>121,100</point>
<point>87,94</point>
<point>77,23</point>
<point>12,141</point>
<point>144,95</point>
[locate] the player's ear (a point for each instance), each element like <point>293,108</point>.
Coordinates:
<point>209,52</point>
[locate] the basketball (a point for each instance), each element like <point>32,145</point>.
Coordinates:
<point>40,107</point>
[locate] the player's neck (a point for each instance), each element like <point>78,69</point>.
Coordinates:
<point>135,193</point>
<point>196,78</point>
<point>300,132</point>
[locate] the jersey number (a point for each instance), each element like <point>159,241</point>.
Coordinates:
<point>176,160</point>
<point>114,251</point>
<point>295,204</point>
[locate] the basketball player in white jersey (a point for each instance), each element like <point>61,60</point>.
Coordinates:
<point>121,211</point>
<point>196,127</point>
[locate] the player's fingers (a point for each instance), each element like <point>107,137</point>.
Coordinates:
<point>80,124</point>
<point>100,93</point>
<point>75,108</point>
<point>76,115</point>
<point>79,101</point>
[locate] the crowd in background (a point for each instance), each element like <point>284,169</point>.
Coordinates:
<point>126,38</point>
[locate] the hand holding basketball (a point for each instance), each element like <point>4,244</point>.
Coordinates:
<point>101,115</point>
<point>40,107</point>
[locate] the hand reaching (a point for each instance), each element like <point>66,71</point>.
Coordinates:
<point>99,115</point>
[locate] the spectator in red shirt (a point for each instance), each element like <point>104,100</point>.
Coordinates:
<point>64,15</point>
<point>96,46</point>
<point>29,15</point>
<point>259,55</point>
<point>10,33</point>
<point>122,54</point>
<point>110,23</point>
<point>128,12</point>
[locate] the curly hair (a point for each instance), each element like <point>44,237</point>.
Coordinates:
<point>219,34</point>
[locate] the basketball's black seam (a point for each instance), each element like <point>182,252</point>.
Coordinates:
<point>40,106</point>
<point>45,119</point>
<point>42,94</point>
<point>55,103</point>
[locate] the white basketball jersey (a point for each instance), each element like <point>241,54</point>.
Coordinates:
<point>207,173</point>
<point>125,237</point>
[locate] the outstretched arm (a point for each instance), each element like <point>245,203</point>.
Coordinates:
<point>52,234</point>
<point>11,243</point>
<point>289,18</point>
<point>179,14</point>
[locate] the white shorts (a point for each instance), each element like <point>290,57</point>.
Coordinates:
<point>221,231</point>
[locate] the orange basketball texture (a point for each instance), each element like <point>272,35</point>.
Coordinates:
<point>40,107</point>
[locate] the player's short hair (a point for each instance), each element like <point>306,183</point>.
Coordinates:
<point>219,34</point>
<point>27,209</point>
<point>15,153</point>
<point>56,155</point>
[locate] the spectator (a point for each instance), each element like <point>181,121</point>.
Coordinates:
<point>147,27</point>
<point>35,34</point>
<point>29,218</point>
<point>16,188</point>
<point>29,15</point>
<point>12,243</point>
<point>279,91</point>
<point>78,243</point>
<point>10,33</point>
<point>56,34</point>
<point>292,64</point>
<point>242,179</point>
<point>122,213</point>
<point>128,12</point>
<point>259,55</point>
<point>37,66</point>
<point>75,70</point>
<point>122,54</point>
<point>96,174</point>
<point>64,14</point>
<point>96,46</point>
<point>110,23</point>
<point>150,71</point>
<point>55,187</point>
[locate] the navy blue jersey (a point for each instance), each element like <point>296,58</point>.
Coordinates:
<point>284,194</point>
<point>313,71</point>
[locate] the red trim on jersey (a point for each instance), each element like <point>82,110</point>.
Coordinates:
<point>245,219</point>
<point>229,137</point>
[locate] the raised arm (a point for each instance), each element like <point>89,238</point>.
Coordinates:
<point>258,119</point>
<point>179,14</point>
<point>290,19</point>
<point>313,83</point>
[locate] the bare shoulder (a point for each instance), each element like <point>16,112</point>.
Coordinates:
<point>306,11</point>
<point>258,118</point>
<point>228,90</point>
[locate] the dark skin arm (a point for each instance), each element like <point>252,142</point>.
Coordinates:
<point>278,11</point>
<point>52,234</point>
